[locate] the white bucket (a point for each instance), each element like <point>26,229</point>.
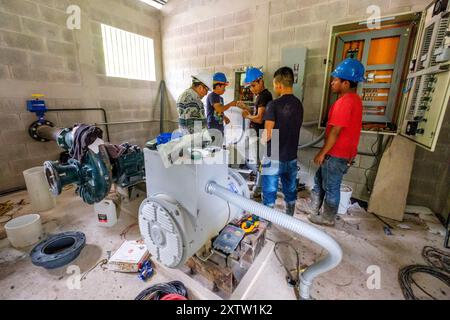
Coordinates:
<point>38,189</point>
<point>346,195</point>
<point>24,231</point>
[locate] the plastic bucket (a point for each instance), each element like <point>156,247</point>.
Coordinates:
<point>346,195</point>
<point>38,189</point>
<point>24,231</point>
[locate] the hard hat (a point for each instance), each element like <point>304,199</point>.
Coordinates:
<point>204,78</point>
<point>253,74</point>
<point>221,78</point>
<point>351,70</point>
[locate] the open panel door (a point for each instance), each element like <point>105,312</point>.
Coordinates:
<point>427,91</point>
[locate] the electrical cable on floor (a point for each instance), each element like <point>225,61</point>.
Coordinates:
<point>123,234</point>
<point>437,258</point>
<point>100,263</point>
<point>297,267</point>
<point>406,280</point>
<point>157,292</point>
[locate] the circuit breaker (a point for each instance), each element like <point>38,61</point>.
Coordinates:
<point>428,81</point>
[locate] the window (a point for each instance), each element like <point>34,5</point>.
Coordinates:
<point>128,55</point>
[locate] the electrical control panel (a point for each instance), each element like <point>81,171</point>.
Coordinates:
<point>385,53</point>
<point>427,92</point>
<point>407,60</point>
<point>241,91</point>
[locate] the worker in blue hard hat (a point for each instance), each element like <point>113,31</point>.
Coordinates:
<point>254,79</point>
<point>215,106</point>
<point>341,144</point>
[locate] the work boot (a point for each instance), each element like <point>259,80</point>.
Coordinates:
<point>312,205</point>
<point>326,218</point>
<point>257,195</point>
<point>290,209</point>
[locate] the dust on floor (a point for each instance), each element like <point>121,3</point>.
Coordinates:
<point>365,245</point>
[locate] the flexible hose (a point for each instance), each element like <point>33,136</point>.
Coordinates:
<point>301,228</point>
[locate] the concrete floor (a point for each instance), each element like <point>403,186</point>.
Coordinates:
<point>361,236</point>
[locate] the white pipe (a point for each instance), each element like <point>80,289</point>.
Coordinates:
<point>306,230</point>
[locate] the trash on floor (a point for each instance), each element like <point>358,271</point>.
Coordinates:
<point>146,271</point>
<point>11,255</point>
<point>418,210</point>
<point>130,257</point>
<point>436,228</point>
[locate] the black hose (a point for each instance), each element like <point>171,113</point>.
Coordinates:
<point>406,280</point>
<point>158,291</point>
<point>437,258</point>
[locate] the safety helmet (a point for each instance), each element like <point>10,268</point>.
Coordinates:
<point>253,74</point>
<point>204,78</point>
<point>220,78</point>
<point>351,70</point>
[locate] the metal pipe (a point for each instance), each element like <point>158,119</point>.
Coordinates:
<point>161,107</point>
<point>105,117</point>
<point>125,122</point>
<point>49,133</point>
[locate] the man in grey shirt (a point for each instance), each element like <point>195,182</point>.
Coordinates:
<point>190,106</point>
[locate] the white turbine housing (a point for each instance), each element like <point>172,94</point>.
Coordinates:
<point>178,217</point>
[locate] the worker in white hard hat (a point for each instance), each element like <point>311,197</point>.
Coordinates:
<point>191,111</point>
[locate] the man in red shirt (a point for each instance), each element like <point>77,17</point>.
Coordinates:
<point>341,143</point>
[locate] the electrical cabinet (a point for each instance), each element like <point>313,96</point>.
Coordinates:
<point>295,58</point>
<point>407,60</point>
<point>428,81</point>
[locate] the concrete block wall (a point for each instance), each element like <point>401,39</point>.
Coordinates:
<point>430,182</point>
<point>39,54</point>
<point>209,35</point>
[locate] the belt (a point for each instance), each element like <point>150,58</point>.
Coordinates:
<point>350,162</point>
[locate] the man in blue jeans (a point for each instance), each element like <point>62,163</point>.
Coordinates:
<point>284,114</point>
<point>341,143</point>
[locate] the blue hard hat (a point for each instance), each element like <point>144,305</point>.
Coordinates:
<point>351,70</point>
<point>253,74</point>
<point>220,77</point>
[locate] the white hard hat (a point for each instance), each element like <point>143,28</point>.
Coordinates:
<point>205,78</point>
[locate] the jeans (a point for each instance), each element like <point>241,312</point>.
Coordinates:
<point>272,170</point>
<point>328,180</point>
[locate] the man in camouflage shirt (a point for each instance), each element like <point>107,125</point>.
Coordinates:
<point>190,106</point>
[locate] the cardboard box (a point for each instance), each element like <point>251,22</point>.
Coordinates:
<point>129,257</point>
